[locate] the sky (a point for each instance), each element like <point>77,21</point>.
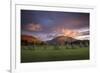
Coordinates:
<point>49,24</point>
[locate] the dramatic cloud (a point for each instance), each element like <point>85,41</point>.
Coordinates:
<point>33,27</point>
<point>49,24</point>
<point>84,34</point>
<point>83,37</point>
<point>83,31</point>
<point>66,32</point>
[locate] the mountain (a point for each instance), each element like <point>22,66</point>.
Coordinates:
<point>61,40</point>
<point>29,40</point>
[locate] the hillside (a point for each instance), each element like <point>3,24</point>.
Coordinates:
<point>64,40</point>
<point>28,40</point>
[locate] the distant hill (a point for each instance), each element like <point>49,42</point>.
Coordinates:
<point>29,40</point>
<point>61,40</point>
<point>64,40</point>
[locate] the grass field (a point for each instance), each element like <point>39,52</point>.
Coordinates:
<point>53,53</point>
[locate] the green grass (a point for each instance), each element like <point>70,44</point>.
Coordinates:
<point>53,53</point>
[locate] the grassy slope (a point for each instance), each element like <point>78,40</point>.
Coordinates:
<point>52,53</point>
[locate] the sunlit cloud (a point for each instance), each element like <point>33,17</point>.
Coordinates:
<point>66,32</point>
<point>84,34</point>
<point>47,25</point>
<point>33,27</point>
<point>83,37</point>
<point>45,36</point>
<point>83,31</point>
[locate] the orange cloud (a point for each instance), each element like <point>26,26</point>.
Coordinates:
<point>33,27</point>
<point>67,32</point>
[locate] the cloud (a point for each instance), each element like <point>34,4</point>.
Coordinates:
<point>83,31</point>
<point>66,32</point>
<point>45,36</point>
<point>83,37</point>
<point>84,34</point>
<point>33,27</point>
